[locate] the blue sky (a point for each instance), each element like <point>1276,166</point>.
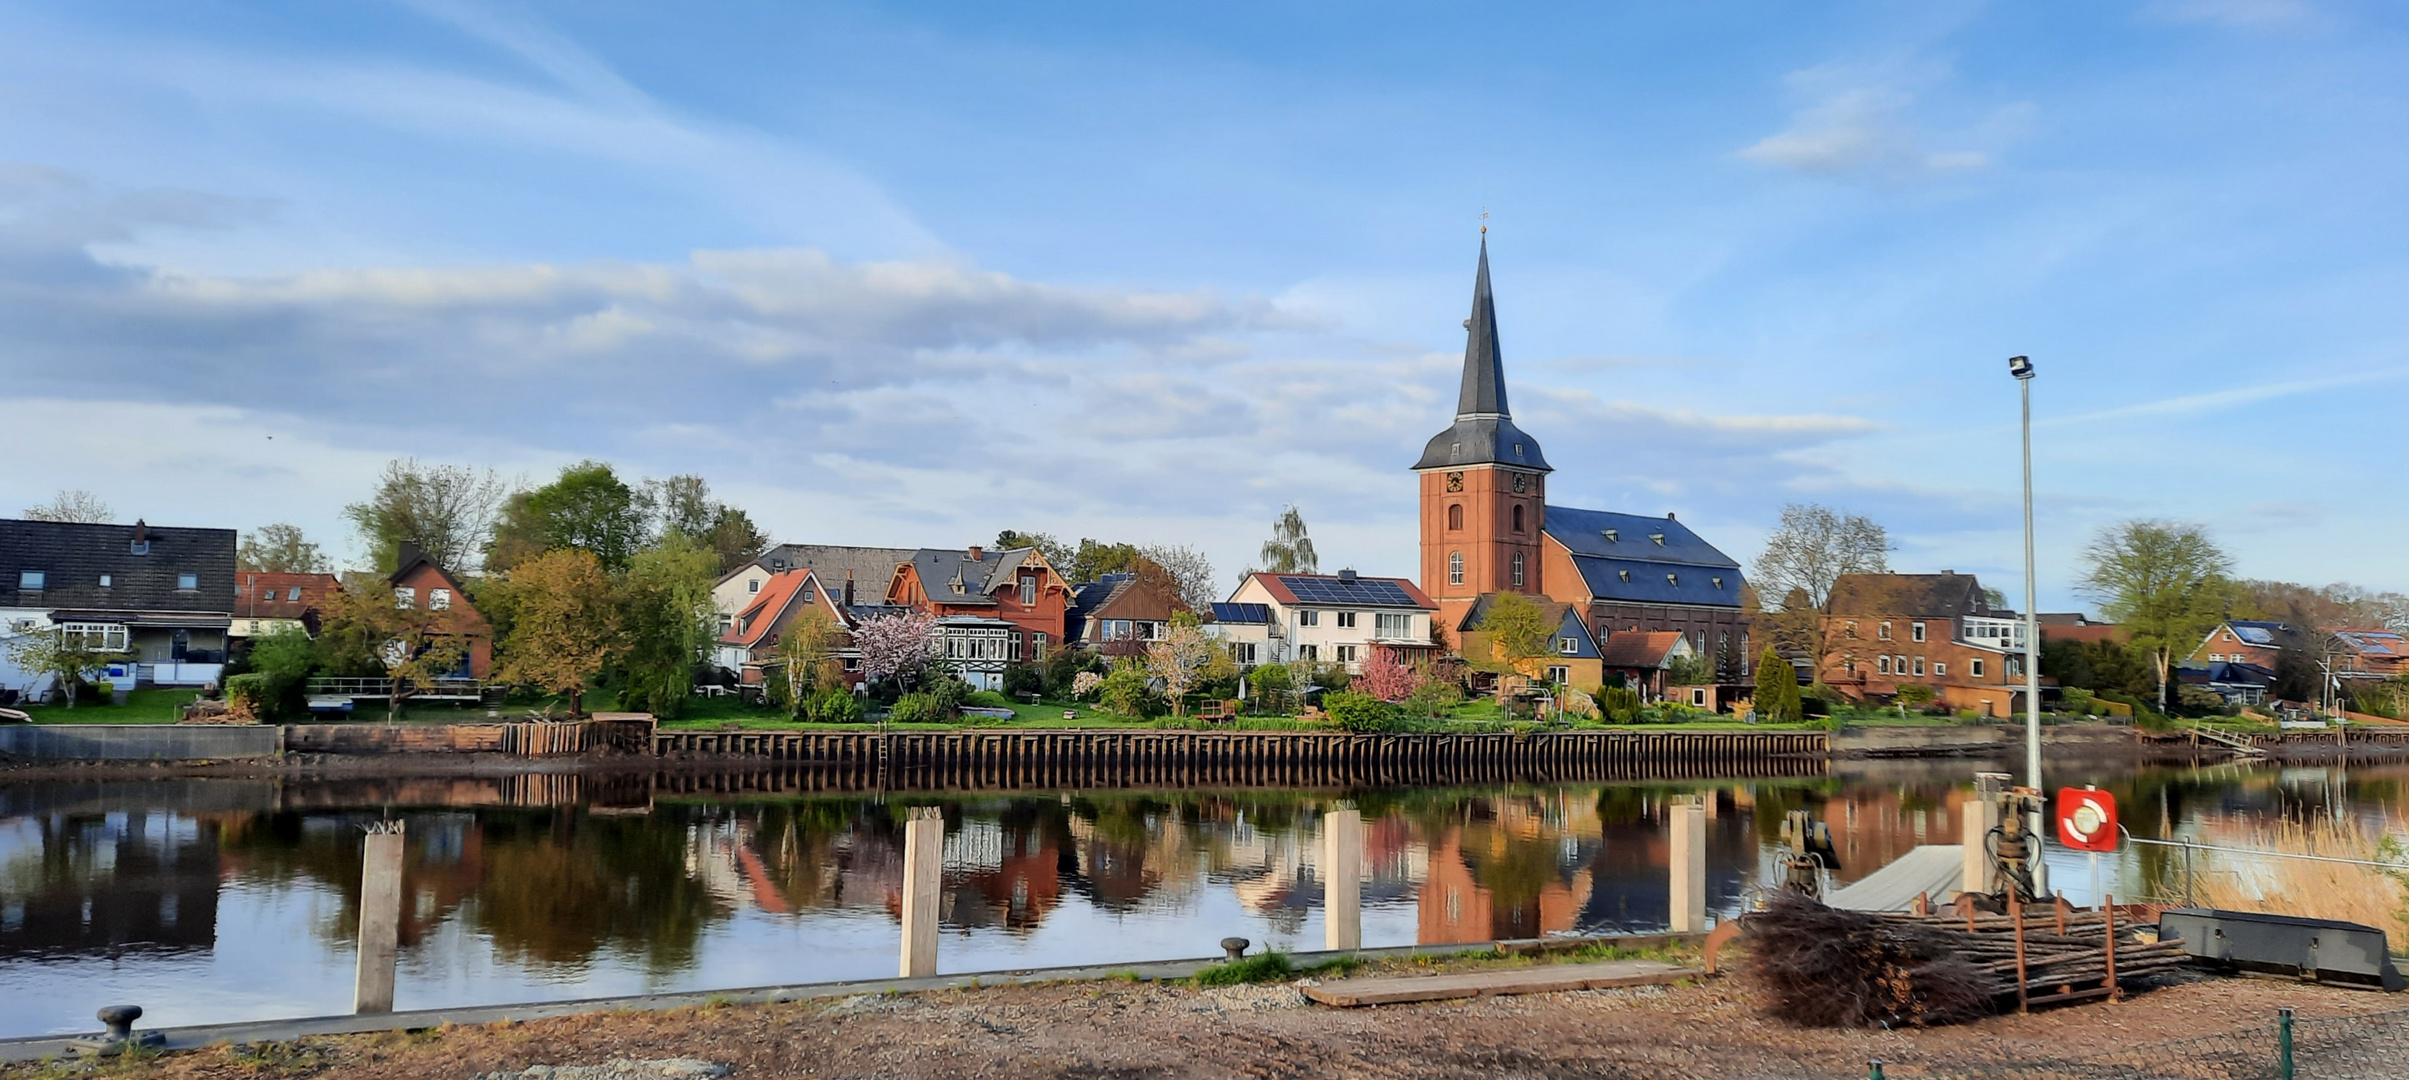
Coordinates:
<point>911,275</point>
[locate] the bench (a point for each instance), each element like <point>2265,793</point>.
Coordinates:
<point>1218,712</point>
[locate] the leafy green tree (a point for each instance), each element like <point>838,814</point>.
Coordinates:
<point>278,548</point>
<point>1095,558</point>
<point>1518,633</point>
<point>2164,580</point>
<point>1687,671</point>
<point>1777,688</point>
<point>365,628</point>
<point>666,613</point>
<point>683,506</point>
<point>588,508</point>
<point>807,655</point>
<point>1289,551</point>
<point>70,657</point>
<point>1057,554</point>
<point>447,510</point>
<point>568,624</point>
<point>283,658</point>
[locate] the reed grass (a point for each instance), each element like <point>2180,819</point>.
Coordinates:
<point>2368,895</point>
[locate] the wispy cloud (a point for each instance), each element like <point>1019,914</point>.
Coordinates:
<point>1857,120</point>
<point>2220,400</point>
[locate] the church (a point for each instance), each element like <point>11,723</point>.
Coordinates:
<point>1487,528</point>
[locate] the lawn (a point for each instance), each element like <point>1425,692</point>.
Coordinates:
<point>155,706</point>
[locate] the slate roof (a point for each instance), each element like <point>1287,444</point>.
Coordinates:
<point>1484,431</point>
<point>1644,651</point>
<point>1918,596</point>
<point>1090,598</point>
<point>1635,538</point>
<point>72,557</point>
<point>871,567</point>
<point>951,576</point>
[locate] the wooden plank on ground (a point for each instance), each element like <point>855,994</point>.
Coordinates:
<point>1546,978</point>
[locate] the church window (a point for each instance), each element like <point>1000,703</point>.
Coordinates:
<point>1518,519</point>
<point>1455,568</point>
<point>1455,516</point>
<point>1518,565</point>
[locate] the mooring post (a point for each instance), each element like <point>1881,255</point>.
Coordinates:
<point>380,918</point>
<point>923,875</point>
<point>1689,869</point>
<point>1342,880</point>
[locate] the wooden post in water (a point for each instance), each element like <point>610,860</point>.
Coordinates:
<point>1689,869</point>
<point>1342,880</point>
<point>923,875</point>
<point>380,918</point>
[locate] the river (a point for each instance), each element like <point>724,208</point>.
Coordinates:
<point>222,900</point>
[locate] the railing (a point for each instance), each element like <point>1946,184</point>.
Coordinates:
<point>465,689</point>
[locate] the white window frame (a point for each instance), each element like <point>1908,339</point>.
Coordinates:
<point>1390,625</point>
<point>1568,646</point>
<point>1028,590</point>
<point>1455,568</point>
<point>1919,667</point>
<point>1915,631</point>
<point>439,599</point>
<point>1882,664</point>
<point>1518,569</point>
<point>1882,632</point>
<point>1975,671</point>
<point>1346,654</point>
<point>1309,652</point>
<point>1242,652</point>
<point>109,637</point>
<point>1346,620</point>
<point>1559,674</point>
<point>405,597</point>
<point>1309,618</point>
<point>1940,669</point>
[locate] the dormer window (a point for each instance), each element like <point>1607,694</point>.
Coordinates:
<point>1718,583</point>
<point>1672,579</point>
<point>139,547</point>
<point>32,580</point>
<point>1612,536</point>
<point>1625,574</point>
<point>1658,537</point>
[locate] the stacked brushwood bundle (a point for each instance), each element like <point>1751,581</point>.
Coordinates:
<point>1823,967</point>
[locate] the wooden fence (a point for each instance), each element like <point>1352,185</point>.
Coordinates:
<point>975,760</point>
<point>631,734</point>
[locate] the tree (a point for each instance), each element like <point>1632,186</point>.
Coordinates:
<point>807,654</point>
<point>587,507</point>
<point>896,645</point>
<point>447,510</point>
<point>735,539</point>
<point>1184,569</point>
<point>1517,632</point>
<point>2165,580</point>
<point>79,507</point>
<point>1777,688</point>
<point>666,614</point>
<point>53,651</point>
<point>567,627</point>
<point>1057,554</point>
<point>284,657</point>
<point>365,628</point>
<point>1809,551</point>
<point>1387,676</point>
<point>1180,656</point>
<point>1094,559</point>
<point>1289,551</point>
<point>278,548</point>
<point>683,506</point>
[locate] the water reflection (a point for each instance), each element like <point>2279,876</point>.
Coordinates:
<point>215,900</point>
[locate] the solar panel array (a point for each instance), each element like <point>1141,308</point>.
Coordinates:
<point>1373,592</point>
<point>1241,613</point>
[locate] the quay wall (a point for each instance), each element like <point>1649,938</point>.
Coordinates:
<point>139,742</point>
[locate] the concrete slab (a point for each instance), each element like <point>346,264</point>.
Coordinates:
<point>1549,978</point>
<point>1934,870</point>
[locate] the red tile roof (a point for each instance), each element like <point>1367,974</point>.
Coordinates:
<point>759,620</point>
<point>259,594</point>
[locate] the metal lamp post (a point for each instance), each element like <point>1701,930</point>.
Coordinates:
<point>2022,368</point>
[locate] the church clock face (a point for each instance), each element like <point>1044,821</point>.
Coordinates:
<point>1522,482</point>
<point>1455,481</point>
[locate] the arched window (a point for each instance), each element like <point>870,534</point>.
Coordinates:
<point>1518,555</point>
<point>1455,568</point>
<point>1518,519</point>
<point>1455,516</point>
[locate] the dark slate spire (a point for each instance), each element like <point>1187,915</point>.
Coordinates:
<point>1483,433</point>
<point>1484,391</point>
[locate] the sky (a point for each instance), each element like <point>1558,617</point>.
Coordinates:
<point>912,275</point>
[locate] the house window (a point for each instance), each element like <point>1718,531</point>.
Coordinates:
<point>853,663</point>
<point>1569,646</point>
<point>727,623</point>
<point>1346,654</point>
<point>1039,641</point>
<point>1309,618</point>
<point>1518,569</point>
<point>188,582</point>
<point>1882,665</point>
<point>439,599</point>
<point>752,585</point>
<point>139,547</point>
<point>1346,619</point>
<point>1848,666</point>
<point>1852,630</point>
<point>106,580</point>
<point>405,597</point>
<point>1028,590</point>
<point>1242,652</point>
<point>1455,568</point>
<point>1697,694</point>
<point>1559,675</point>
<point>1150,631</point>
<point>1517,518</point>
<point>1309,652</point>
<point>1455,516</point>
<point>1919,665</point>
<point>1915,631</point>
<point>107,637</point>
<point>31,579</point>
<point>804,594</point>
<point>1940,669</point>
<point>1974,667</point>
<point>293,593</point>
<point>1883,631</point>
<point>1393,626</point>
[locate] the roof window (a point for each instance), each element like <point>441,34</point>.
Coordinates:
<point>187,582</point>
<point>1626,574</point>
<point>1672,579</point>
<point>1718,583</point>
<point>139,547</point>
<point>1658,537</point>
<point>31,579</point>
<point>106,580</point>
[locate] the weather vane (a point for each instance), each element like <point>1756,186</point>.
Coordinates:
<point>1484,221</point>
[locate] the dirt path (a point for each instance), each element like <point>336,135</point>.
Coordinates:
<point>1126,1030</point>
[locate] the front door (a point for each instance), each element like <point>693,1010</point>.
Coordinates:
<point>179,645</point>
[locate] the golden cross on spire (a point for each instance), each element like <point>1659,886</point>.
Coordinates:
<point>1484,221</point>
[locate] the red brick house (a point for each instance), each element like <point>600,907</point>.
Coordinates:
<point>1885,631</point>
<point>993,608</point>
<point>419,581</point>
<point>265,602</point>
<point>2243,641</point>
<point>1119,614</point>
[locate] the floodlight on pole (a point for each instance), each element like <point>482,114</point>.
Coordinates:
<point>2022,368</point>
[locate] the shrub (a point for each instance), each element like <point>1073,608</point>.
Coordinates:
<point>832,705</point>
<point>1777,688</point>
<point>1914,695</point>
<point>987,699</point>
<point>1262,967</point>
<point>1619,703</point>
<point>1270,684</point>
<point>1362,714</point>
<point>948,691</point>
<point>1433,698</point>
<point>1125,692</point>
<point>1066,665</point>
<point>250,695</point>
<point>1023,679</point>
<point>2076,700</point>
<point>1085,685</point>
<point>920,708</point>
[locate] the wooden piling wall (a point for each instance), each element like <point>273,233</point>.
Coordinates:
<point>1004,760</point>
<point>524,739</point>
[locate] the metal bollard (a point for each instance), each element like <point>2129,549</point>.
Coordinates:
<point>2283,1043</point>
<point>1873,1069</point>
<point>1234,948</point>
<point>120,1036</point>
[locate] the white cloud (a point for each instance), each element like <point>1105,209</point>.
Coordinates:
<point>1856,121</point>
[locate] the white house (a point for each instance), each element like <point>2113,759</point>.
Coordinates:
<point>1341,617</point>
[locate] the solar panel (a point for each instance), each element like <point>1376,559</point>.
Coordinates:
<point>1371,592</point>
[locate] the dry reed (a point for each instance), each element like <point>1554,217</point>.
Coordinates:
<point>2361,894</point>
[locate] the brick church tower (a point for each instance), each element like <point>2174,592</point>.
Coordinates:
<point>1484,482</point>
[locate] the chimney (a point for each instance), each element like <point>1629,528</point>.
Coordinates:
<point>977,553</point>
<point>405,553</point>
<point>1669,515</point>
<point>1346,575</point>
<point>1950,573</point>
<point>142,532</point>
<point>848,588</point>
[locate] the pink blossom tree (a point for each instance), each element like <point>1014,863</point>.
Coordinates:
<point>1388,677</point>
<point>894,644</point>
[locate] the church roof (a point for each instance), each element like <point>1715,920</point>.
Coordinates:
<point>1484,431</point>
<point>1631,558</point>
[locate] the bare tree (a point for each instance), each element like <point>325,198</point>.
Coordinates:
<point>81,507</point>
<point>1190,572</point>
<point>2164,579</point>
<point>1809,551</point>
<point>447,510</point>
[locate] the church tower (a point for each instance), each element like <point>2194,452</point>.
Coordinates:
<point>1484,482</point>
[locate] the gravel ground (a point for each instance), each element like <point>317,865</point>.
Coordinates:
<point>1128,1030</point>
